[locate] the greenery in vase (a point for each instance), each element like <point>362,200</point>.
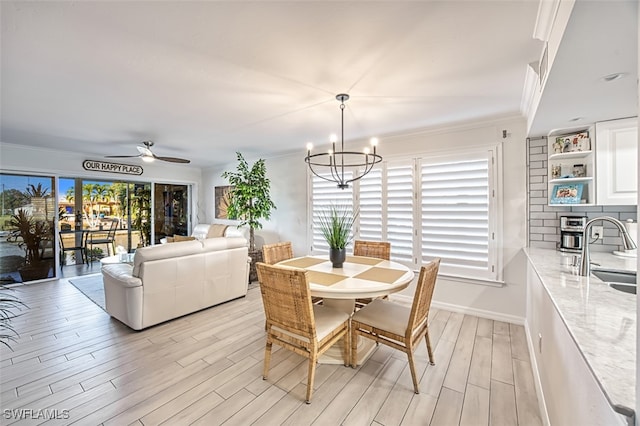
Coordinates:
<point>335,224</point>
<point>249,199</point>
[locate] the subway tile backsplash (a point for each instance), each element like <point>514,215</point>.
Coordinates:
<point>544,220</point>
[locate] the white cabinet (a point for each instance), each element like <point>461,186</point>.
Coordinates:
<point>617,162</point>
<point>571,167</point>
<point>570,393</point>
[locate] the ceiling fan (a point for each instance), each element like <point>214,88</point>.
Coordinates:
<point>147,155</point>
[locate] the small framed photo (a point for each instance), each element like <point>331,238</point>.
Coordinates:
<point>579,170</point>
<point>567,193</point>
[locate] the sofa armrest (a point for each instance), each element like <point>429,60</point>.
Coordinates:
<point>121,273</point>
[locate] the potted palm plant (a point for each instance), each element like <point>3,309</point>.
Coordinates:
<point>30,234</point>
<point>335,223</point>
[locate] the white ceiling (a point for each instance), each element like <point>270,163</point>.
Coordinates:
<point>601,39</point>
<point>206,79</point>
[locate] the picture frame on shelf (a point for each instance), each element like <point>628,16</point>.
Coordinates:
<point>576,142</point>
<point>570,193</point>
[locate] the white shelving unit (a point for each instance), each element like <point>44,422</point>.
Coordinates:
<point>571,166</point>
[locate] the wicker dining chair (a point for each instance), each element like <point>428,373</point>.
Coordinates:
<point>377,249</point>
<point>277,252</point>
<point>295,323</point>
<point>396,325</point>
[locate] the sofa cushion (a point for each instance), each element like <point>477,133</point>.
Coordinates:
<point>216,230</point>
<point>179,238</point>
<point>164,251</point>
<point>212,244</point>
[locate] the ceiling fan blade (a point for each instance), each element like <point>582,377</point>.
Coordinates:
<point>121,156</point>
<point>173,160</point>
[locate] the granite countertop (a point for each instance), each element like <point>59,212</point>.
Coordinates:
<point>601,320</point>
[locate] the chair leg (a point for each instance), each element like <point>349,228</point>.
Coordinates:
<point>354,347</point>
<point>311,376</point>
<point>432,360</point>
<point>413,371</point>
<point>346,350</point>
<point>267,359</point>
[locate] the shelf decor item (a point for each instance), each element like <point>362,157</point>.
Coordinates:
<point>567,193</point>
<point>573,143</point>
<point>579,170</point>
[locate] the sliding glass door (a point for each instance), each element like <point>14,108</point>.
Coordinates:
<point>27,235</point>
<point>91,205</point>
<point>171,210</point>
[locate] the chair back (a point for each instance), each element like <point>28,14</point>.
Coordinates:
<point>274,253</point>
<point>287,299</point>
<point>111,232</point>
<point>377,249</point>
<point>423,296</point>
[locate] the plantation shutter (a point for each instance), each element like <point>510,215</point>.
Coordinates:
<point>371,223</point>
<point>400,211</point>
<point>455,205</point>
<point>324,194</point>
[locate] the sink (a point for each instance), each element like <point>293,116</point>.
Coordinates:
<point>617,280</point>
<point>627,288</point>
<point>615,276</point>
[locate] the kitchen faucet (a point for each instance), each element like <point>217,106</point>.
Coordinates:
<point>585,262</point>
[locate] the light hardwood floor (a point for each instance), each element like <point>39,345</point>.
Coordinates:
<point>72,360</point>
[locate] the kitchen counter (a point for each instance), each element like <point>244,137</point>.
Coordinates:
<point>601,320</point>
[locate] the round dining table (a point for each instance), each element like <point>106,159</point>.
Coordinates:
<point>360,277</point>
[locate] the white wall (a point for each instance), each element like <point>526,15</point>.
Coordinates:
<point>288,176</point>
<point>19,159</point>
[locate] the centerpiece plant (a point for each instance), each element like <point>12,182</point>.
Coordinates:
<point>335,224</point>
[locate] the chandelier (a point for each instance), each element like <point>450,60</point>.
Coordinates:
<point>355,164</point>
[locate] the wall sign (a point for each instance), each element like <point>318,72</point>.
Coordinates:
<point>104,166</point>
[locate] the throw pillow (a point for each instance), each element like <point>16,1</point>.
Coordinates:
<point>178,238</point>
<point>169,239</point>
<point>216,230</point>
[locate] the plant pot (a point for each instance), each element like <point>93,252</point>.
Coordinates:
<point>337,256</point>
<point>37,271</point>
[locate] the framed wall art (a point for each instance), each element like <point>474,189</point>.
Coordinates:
<point>222,198</point>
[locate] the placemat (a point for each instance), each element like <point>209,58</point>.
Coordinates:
<point>324,278</point>
<point>382,275</point>
<point>302,262</point>
<point>363,260</point>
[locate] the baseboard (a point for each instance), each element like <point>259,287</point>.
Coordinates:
<point>536,376</point>
<point>496,316</point>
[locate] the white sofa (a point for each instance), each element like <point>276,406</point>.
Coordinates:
<point>170,280</point>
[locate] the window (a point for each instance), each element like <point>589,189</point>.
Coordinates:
<point>325,193</point>
<point>455,205</point>
<point>426,207</point>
